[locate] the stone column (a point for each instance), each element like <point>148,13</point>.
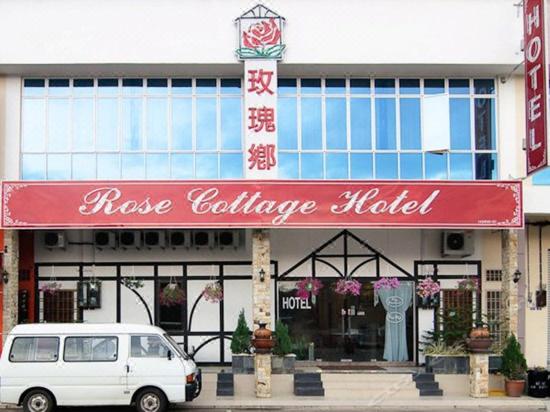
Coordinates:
<point>10,264</point>
<point>510,304</point>
<point>261,311</point>
<point>479,375</point>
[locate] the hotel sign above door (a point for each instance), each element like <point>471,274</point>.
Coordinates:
<point>221,204</point>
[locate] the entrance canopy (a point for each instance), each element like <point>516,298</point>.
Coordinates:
<point>261,204</point>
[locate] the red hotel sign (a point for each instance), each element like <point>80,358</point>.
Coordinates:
<point>535,84</point>
<point>261,204</point>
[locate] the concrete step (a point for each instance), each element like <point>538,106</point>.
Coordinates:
<point>299,391</point>
<point>308,384</point>
<point>427,385</point>
<point>307,377</point>
<point>424,377</point>
<point>431,392</point>
<point>225,377</point>
<point>225,391</point>
<point>371,395</point>
<point>367,378</point>
<point>370,386</point>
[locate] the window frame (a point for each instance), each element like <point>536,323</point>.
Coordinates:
<point>34,337</point>
<point>146,335</point>
<point>92,337</point>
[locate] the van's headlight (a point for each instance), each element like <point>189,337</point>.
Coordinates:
<point>191,378</point>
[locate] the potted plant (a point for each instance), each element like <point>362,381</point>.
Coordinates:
<point>172,295</point>
<point>348,287</point>
<point>446,359</point>
<point>308,287</point>
<point>213,292</point>
<point>50,288</point>
<point>513,367</point>
<point>283,360</point>
<point>479,340</point>
<point>428,293</point>
<point>242,361</point>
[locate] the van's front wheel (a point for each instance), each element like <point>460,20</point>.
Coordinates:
<point>151,400</point>
<point>38,400</point>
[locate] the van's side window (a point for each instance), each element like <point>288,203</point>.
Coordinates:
<point>35,349</point>
<point>91,349</point>
<point>150,346</point>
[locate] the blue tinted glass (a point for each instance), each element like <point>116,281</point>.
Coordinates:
<point>311,124</point>
<point>386,166</point>
<point>157,124</point>
<point>157,86</point>
<point>158,166</point>
<point>436,166</point>
<point>360,123</point>
<point>58,125</point>
<point>132,124</point>
<point>311,86</point>
<point>181,86</point>
<point>34,87</point>
<point>231,165</point>
<point>484,120</point>
<point>461,166</point>
<point>409,86</point>
<point>206,124</point>
<point>132,86</point>
<point>484,86</point>
<point>410,123</point>
<point>359,86</point>
<point>333,86</point>
<point>288,165</point>
<point>206,166</point>
<point>182,121</point>
<point>459,86</point>
<point>542,177</point>
<point>59,167</point>
<point>83,87</point>
<point>33,167</point>
<point>107,87</point>
<point>486,166</point>
<point>287,123</point>
<point>107,124</point>
<point>206,86</point>
<point>58,87</point>
<point>361,166</point>
<point>337,165</point>
<point>384,86</point>
<point>286,86</point>
<point>460,124</point>
<point>83,125</point>
<point>108,166</point>
<point>84,166</point>
<point>411,165</point>
<point>336,123</point>
<point>231,122</point>
<point>385,123</point>
<point>182,166</point>
<point>231,86</point>
<point>133,166</point>
<point>434,86</point>
<point>34,125</point>
<point>312,165</point>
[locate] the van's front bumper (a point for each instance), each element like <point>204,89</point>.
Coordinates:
<point>192,390</point>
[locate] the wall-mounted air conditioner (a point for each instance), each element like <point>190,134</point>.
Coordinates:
<point>129,239</point>
<point>179,239</point>
<point>228,239</point>
<point>202,239</point>
<point>104,239</point>
<point>54,240</point>
<point>457,243</point>
<point>154,239</point>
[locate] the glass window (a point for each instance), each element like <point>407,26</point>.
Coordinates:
<point>34,87</point>
<point>34,125</point>
<point>182,124</point>
<point>83,166</point>
<point>91,349</point>
<point>59,167</point>
<point>409,86</point>
<point>231,86</point>
<point>108,166</point>
<point>33,167</point>
<point>359,86</point>
<point>386,166</point>
<point>157,86</point>
<point>461,166</point>
<point>107,87</point>
<point>287,124</point>
<point>132,124</point>
<point>59,87</point>
<point>459,86</point>
<point>436,166</point>
<point>288,165</point>
<point>311,124</point>
<point>133,166</point>
<point>335,86</point>
<point>485,124</point>
<point>385,124</point>
<point>361,165</point>
<point>83,125</point>
<point>58,124</point>
<point>107,125</point>
<point>150,346</point>
<point>311,86</point>
<point>132,86</point>
<point>286,86</point>
<point>484,86</point>
<point>384,86</point>
<point>158,166</point>
<point>337,165</point>
<point>410,123</point>
<point>411,165</point>
<point>542,177</point>
<point>206,166</point>
<point>231,165</point>
<point>434,86</point>
<point>206,86</point>
<point>486,166</point>
<point>157,124</point>
<point>83,87</point>
<point>312,165</point>
<point>182,86</point>
<point>34,349</point>
<point>336,122</point>
<point>460,124</point>
<point>360,118</point>
<point>182,166</point>
<point>206,124</point>
<point>231,122</point>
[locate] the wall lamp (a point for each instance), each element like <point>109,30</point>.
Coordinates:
<point>517,276</point>
<point>262,275</point>
<point>5,276</point>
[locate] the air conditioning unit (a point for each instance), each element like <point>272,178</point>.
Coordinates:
<point>54,240</point>
<point>457,243</point>
<point>228,239</point>
<point>179,239</point>
<point>202,239</point>
<point>154,238</point>
<point>104,239</point>
<point>129,239</point>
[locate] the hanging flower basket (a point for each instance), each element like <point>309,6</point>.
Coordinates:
<point>172,295</point>
<point>51,288</point>
<point>132,283</point>
<point>308,287</point>
<point>213,292</point>
<point>348,287</point>
<point>427,292</point>
<point>468,285</point>
<point>386,283</point>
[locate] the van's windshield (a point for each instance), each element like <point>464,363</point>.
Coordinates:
<point>176,347</point>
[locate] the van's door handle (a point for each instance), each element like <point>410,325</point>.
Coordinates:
<point>127,368</point>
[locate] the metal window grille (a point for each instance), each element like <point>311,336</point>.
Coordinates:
<point>493,314</point>
<point>60,307</point>
<point>493,275</point>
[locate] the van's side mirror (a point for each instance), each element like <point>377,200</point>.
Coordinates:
<point>169,354</point>
<point>192,352</point>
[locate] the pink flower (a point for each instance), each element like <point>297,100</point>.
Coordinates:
<point>427,288</point>
<point>386,283</point>
<point>348,287</point>
<point>308,286</point>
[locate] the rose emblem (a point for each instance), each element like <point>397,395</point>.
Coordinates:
<point>261,40</point>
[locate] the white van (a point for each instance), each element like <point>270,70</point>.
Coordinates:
<point>45,365</point>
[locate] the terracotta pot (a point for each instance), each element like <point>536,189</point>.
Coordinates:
<point>514,388</point>
<point>479,345</point>
<point>262,342</point>
<point>480,332</point>
<point>262,332</point>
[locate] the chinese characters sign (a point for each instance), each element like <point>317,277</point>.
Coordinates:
<point>535,84</point>
<point>305,204</point>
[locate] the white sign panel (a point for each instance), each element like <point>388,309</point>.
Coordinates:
<point>436,123</point>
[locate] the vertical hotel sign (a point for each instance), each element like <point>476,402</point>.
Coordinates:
<point>260,33</point>
<point>536,89</point>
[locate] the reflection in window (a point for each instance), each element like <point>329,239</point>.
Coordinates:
<point>288,166</point>
<point>206,166</point>
<point>157,130</point>
<point>83,125</point>
<point>336,123</point>
<point>287,128</point>
<point>206,124</point>
<point>83,167</point>
<point>108,166</point>
<point>411,165</point>
<point>486,166</point>
<point>436,166</point>
<point>158,166</point>
<point>182,166</point>
<point>386,166</point>
<point>33,167</point>
<point>231,166</point>
<point>311,124</point>
<point>312,166</point>
<point>133,166</point>
<point>34,125</point>
<point>461,166</point>
<point>385,124</point>
<point>131,124</point>
<point>43,349</point>
<point>360,123</point>
<point>337,165</point>
<point>410,123</point>
<point>182,118</point>
<point>460,124</point>
<point>542,177</point>
<point>484,124</point>
<point>361,165</point>
<point>59,166</point>
<point>231,123</point>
